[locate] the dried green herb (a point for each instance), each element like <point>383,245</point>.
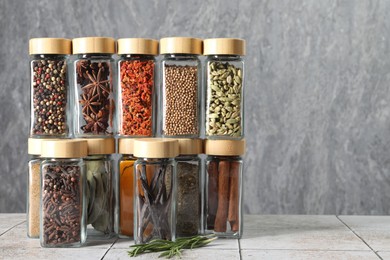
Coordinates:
<point>171,248</point>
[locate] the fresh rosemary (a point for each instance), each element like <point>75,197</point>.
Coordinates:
<point>171,248</point>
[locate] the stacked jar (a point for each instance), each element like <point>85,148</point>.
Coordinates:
<point>224,130</point>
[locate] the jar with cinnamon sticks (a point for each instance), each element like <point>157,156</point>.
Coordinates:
<point>125,189</point>
<point>63,207</point>
<point>189,188</point>
<point>136,108</point>
<point>223,198</point>
<point>155,189</point>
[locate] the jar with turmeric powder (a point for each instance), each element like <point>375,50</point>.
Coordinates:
<point>136,109</point>
<point>125,190</point>
<point>100,188</point>
<point>223,198</point>
<point>155,189</point>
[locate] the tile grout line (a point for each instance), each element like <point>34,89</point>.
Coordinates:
<point>239,248</point>
<point>113,243</point>
<point>12,227</point>
<point>345,224</point>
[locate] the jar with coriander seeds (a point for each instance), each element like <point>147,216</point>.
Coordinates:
<point>49,87</point>
<point>100,196</point>
<point>224,69</point>
<point>136,109</point>
<point>181,87</point>
<point>223,182</point>
<point>93,94</point>
<point>125,189</point>
<point>63,204</point>
<point>155,189</point>
<point>189,188</point>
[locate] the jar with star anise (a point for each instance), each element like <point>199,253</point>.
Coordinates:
<point>49,87</point>
<point>93,96</point>
<point>136,108</point>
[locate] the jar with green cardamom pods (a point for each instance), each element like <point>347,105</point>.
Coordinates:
<point>224,72</point>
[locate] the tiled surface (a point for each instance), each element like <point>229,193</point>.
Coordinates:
<point>265,237</point>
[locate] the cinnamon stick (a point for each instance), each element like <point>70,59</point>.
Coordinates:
<point>212,193</point>
<point>223,197</point>
<point>234,195</point>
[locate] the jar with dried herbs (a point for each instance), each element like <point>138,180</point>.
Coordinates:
<point>155,189</point>
<point>93,89</point>
<point>33,187</point>
<point>223,199</point>
<point>181,87</point>
<point>49,87</point>
<point>224,68</point>
<point>189,188</point>
<point>100,195</point>
<point>63,207</point>
<point>136,88</point>
<point>125,189</point>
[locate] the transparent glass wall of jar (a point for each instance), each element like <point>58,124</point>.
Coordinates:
<point>136,109</point>
<point>189,188</point>
<point>125,189</point>
<point>93,93</point>
<point>224,76</point>
<point>49,87</point>
<point>155,189</point>
<point>223,198</point>
<point>100,194</point>
<point>181,87</point>
<point>63,205</point>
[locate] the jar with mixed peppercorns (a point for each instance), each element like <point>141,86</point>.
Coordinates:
<point>181,87</point>
<point>136,87</point>
<point>49,87</point>
<point>93,88</point>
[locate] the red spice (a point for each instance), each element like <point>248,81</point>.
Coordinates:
<point>137,80</point>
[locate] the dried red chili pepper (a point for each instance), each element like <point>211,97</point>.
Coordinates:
<point>137,80</point>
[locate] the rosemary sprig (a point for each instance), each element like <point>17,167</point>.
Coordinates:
<point>171,248</point>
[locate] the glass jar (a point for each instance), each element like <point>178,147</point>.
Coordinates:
<point>136,87</point>
<point>100,188</point>
<point>49,87</point>
<point>155,189</point>
<point>93,88</point>
<point>223,198</point>
<point>125,222</point>
<point>181,87</point>
<point>224,69</point>
<point>189,188</point>
<point>63,207</point>
<point>33,187</point>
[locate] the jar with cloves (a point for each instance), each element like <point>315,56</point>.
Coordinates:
<point>49,87</point>
<point>223,198</point>
<point>100,197</point>
<point>136,110</point>
<point>63,207</point>
<point>155,189</point>
<point>93,94</point>
<point>224,69</point>
<point>181,87</point>
<point>189,188</point>
<point>125,189</point>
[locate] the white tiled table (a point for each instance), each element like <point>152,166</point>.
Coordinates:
<point>265,237</point>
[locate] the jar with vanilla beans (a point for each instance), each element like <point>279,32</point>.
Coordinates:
<point>224,72</point>
<point>223,198</point>
<point>155,189</point>
<point>100,196</point>
<point>63,207</point>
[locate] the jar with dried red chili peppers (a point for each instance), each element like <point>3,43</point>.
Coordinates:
<point>181,86</point>
<point>136,88</point>
<point>49,87</point>
<point>93,89</point>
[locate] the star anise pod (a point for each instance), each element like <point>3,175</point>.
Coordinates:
<point>97,85</point>
<point>96,123</point>
<point>87,102</point>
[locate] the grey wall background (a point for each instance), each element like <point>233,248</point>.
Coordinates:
<point>317,91</point>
